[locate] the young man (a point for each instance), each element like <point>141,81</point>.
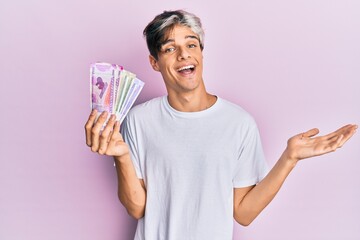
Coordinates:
<point>191,161</point>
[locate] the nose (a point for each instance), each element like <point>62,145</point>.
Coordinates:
<point>183,53</point>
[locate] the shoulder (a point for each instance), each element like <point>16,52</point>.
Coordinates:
<point>146,108</point>
<point>235,113</point>
<point>144,113</point>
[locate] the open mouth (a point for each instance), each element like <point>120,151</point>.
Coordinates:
<point>186,69</point>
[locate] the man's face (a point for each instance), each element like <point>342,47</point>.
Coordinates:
<point>180,60</point>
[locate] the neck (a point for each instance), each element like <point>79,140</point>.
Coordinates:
<point>191,101</point>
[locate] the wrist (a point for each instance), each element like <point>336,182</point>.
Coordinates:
<point>122,159</point>
<point>289,159</point>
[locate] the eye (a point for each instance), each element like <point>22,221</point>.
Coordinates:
<point>170,49</point>
<point>192,46</point>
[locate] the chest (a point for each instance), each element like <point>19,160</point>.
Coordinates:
<point>192,150</point>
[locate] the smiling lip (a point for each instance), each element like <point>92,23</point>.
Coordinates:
<point>186,67</point>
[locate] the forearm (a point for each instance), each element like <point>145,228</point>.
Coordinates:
<point>130,190</point>
<point>262,194</point>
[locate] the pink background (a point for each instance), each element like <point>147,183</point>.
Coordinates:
<point>293,65</point>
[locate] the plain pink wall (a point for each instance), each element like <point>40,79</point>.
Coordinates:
<point>293,65</point>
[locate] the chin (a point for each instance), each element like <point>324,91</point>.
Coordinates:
<point>190,87</point>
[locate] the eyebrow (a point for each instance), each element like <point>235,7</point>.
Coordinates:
<point>172,40</point>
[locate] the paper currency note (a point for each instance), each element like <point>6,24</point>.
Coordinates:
<point>132,95</point>
<point>102,84</point>
<point>126,80</point>
<point>117,76</point>
<point>113,89</point>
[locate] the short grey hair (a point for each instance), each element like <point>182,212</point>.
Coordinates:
<point>156,31</point>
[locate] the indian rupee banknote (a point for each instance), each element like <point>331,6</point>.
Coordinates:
<point>113,89</point>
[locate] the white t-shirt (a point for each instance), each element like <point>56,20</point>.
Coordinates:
<point>190,163</point>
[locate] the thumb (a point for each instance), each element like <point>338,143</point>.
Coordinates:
<point>117,133</point>
<point>311,132</point>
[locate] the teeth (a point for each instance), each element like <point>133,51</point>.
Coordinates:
<point>185,67</point>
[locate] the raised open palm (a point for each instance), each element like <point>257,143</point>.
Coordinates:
<point>306,145</point>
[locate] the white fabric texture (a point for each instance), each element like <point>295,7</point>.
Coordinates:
<point>190,163</point>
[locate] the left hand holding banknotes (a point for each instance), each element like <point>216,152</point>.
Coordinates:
<point>306,145</point>
<point>108,141</point>
<point>113,90</point>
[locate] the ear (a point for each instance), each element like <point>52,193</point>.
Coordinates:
<point>154,63</point>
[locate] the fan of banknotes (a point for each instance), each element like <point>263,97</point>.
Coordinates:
<point>113,89</point>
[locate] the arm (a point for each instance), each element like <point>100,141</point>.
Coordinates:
<point>250,201</point>
<point>131,190</point>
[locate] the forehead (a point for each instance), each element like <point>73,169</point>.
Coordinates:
<point>179,32</point>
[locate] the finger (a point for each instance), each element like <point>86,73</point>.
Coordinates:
<point>88,125</point>
<point>338,131</point>
<point>335,145</point>
<point>95,131</point>
<point>106,134</point>
<point>311,133</point>
<point>109,136</point>
<point>348,135</point>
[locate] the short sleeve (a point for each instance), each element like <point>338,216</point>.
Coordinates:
<point>127,131</point>
<point>251,166</point>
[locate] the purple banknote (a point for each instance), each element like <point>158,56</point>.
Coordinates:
<point>113,89</point>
